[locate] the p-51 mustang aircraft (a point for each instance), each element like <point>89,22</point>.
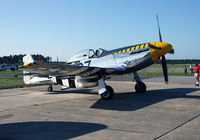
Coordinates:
<point>91,68</point>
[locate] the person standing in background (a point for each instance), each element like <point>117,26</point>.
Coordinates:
<point>196,74</point>
<point>185,70</point>
<point>191,69</point>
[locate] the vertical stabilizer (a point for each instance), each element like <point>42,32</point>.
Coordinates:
<point>28,59</point>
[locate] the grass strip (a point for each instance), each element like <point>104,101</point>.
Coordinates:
<point>11,72</point>
<point>11,82</point>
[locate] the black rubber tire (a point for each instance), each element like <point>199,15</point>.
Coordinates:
<point>12,69</point>
<point>140,87</point>
<point>109,94</point>
<point>50,89</point>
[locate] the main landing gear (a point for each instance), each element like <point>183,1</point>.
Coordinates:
<point>50,88</point>
<point>105,91</point>
<point>108,94</point>
<point>140,87</point>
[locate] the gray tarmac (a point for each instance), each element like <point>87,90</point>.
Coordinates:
<point>172,79</point>
<point>165,112</point>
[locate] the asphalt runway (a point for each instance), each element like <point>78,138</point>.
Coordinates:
<point>165,112</point>
<point>172,79</point>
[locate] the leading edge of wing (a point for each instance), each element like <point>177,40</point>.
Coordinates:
<point>57,69</point>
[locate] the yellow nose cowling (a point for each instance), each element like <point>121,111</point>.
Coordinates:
<point>163,48</point>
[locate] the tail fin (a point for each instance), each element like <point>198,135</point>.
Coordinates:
<point>28,59</point>
<point>31,78</point>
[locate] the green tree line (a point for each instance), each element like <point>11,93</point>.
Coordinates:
<point>181,61</point>
<point>17,59</point>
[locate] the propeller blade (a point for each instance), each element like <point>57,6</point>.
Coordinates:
<point>160,37</point>
<point>164,66</point>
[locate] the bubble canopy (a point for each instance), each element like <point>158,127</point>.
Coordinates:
<point>86,54</point>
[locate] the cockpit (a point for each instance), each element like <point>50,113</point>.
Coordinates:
<point>86,54</point>
<point>100,51</point>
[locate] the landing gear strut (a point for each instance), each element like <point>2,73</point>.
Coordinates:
<point>140,87</point>
<point>50,88</point>
<point>105,91</point>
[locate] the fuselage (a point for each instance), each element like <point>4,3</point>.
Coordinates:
<point>127,59</point>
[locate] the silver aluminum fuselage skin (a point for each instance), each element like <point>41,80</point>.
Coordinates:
<point>121,63</point>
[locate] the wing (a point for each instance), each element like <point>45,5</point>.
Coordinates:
<point>57,69</point>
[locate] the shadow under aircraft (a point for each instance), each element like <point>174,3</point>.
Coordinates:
<point>131,102</point>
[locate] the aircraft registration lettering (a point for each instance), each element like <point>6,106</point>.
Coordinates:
<point>88,62</point>
<point>119,52</point>
<point>123,51</point>
<point>128,50</point>
<point>146,45</point>
<point>115,53</point>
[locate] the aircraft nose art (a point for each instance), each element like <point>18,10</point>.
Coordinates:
<point>159,49</point>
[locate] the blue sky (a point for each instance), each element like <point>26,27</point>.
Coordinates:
<point>63,27</point>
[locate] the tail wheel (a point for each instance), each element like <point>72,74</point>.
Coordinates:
<point>140,87</point>
<point>108,94</point>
